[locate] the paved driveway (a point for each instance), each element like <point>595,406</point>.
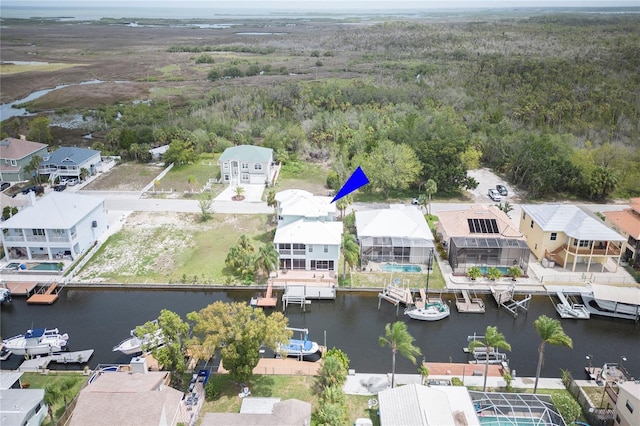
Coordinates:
<point>252,193</point>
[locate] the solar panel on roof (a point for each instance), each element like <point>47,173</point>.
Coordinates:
<point>483,226</point>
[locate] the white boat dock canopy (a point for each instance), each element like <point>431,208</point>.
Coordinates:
<point>627,295</point>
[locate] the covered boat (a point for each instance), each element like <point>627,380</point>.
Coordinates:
<point>613,301</point>
<point>5,295</point>
<point>430,312</point>
<point>135,344</point>
<point>481,356</point>
<point>38,341</point>
<point>298,347</point>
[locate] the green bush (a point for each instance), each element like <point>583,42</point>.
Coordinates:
<point>457,381</point>
<point>205,59</point>
<point>214,386</point>
<point>333,180</point>
<point>567,406</point>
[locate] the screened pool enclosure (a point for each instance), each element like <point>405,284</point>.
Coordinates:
<point>465,252</point>
<point>395,249</point>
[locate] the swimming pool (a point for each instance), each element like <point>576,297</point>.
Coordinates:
<point>44,267</point>
<point>503,269</point>
<point>510,421</point>
<point>400,268</point>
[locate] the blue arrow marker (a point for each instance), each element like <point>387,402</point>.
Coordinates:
<point>357,180</point>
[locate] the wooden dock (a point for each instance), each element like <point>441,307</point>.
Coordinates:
<point>302,294</point>
<point>469,304</point>
<point>266,301</point>
<point>395,295</point>
<point>46,295</point>
<point>505,298</point>
<point>40,363</point>
<point>21,289</point>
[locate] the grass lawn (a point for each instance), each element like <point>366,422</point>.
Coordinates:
<point>39,381</point>
<point>413,280</point>
<point>202,170</point>
<point>170,247</point>
<point>595,394</point>
<point>283,387</point>
<point>309,177</point>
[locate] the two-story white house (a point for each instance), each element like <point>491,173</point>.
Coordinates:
<point>68,162</point>
<point>308,237</point>
<point>59,225</point>
<point>247,164</point>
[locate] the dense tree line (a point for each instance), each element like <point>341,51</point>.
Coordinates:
<point>551,101</point>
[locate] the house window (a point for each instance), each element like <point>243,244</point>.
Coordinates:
<point>245,166</point>
<point>581,243</point>
<point>298,264</point>
<point>531,224</point>
<point>14,163</point>
<point>245,176</point>
<point>226,177</point>
<point>554,236</point>
<point>225,166</point>
<point>257,166</point>
<point>524,215</point>
<point>310,249</point>
<point>629,406</point>
<point>326,248</point>
<point>322,265</point>
<point>38,232</point>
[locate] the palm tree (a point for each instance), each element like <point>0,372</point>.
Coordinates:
<point>424,372</point>
<point>343,203</point>
<point>506,207</point>
<point>32,168</point>
<point>430,188</point>
<point>267,259</point>
<point>239,193</point>
<point>492,340</point>
<point>550,331</point>
<point>51,397</point>
<point>271,201</point>
<point>423,202</point>
<point>397,337</point>
<point>350,252</point>
<point>192,181</point>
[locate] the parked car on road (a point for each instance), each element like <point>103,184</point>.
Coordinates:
<point>59,188</point>
<point>29,189</point>
<point>494,195</point>
<point>502,190</point>
<point>4,185</point>
<point>415,201</point>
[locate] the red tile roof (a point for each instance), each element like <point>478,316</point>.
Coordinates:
<point>627,220</point>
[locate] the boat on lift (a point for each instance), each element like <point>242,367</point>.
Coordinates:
<point>38,341</point>
<point>298,348</point>
<point>135,344</point>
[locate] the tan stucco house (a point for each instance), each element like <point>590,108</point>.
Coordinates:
<point>570,237</point>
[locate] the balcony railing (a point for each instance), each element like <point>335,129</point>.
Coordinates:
<point>612,250</point>
<point>299,252</point>
<point>14,238</point>
<point>36,238</point>
<point>60,239</point>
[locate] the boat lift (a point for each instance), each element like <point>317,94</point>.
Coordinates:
<point>505,298</point>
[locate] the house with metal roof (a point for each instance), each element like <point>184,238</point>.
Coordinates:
<point>308,237</point>
<point>247,164</point>
<point>58,225</point>
<point>68,162</point>
<point>15,155</point>
<point>22,407</point>
<point>418,405</point>
<point>481,236</point>
<point>399,234</point>
<point>571,237</point>
<point>627,223</point>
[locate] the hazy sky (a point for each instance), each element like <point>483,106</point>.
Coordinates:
<point>326,4</point>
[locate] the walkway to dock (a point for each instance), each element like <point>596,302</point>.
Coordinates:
<point>40,363</point>
<point>267,301</point>
<point>283,366</point>
<point>20,288</point>
<point>467,304</point>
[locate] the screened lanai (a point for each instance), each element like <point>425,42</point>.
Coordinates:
<point>465,252</point>
<point>395,249</point>
<point>515,409</point>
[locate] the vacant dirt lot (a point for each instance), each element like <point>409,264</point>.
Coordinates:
<point>126,177</point>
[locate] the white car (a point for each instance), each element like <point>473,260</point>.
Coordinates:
<point>494,195</point>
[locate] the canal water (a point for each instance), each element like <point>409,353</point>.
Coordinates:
<point>100,319</point>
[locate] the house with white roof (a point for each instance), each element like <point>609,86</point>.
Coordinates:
<point>418,405</point>
<point>23,407</point>
<point>59,225</point>
<point>571,237</point>
<point>15,155</point>
<point>398,234</point>
<point>308,237</point>
<point>247,164</point>
<point>68,162</point>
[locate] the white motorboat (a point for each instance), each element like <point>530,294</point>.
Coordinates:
<point>135,344</point>
<point>612,301</point>
<point>39,341</point>
<point>430,312</point>
<point>299,347</point>
<point>5,295</point>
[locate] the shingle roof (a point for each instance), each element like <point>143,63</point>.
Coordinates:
<point>572,220</point>
<point>57,210</point>
<point>249,153</point>
<point>309,232</point>
<point>397,221</point>
<point>15,149</point>
<point>69,155</point>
